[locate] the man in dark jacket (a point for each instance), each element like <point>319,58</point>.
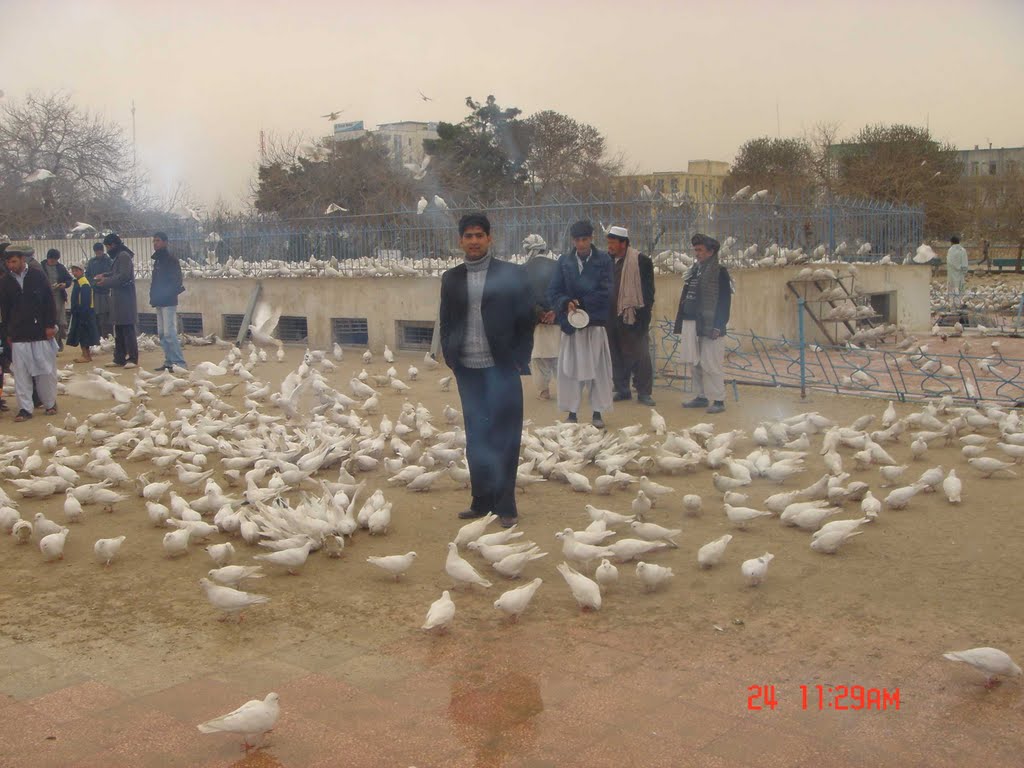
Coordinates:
<point>124,313</point>
<point>701,321</point>
<point>486,327</point>
<point>30,325</point>
<point>163,297</point>
<point>60,280</point>
<point>632,303</point>
<point>540,268</point>
<point>100,264</point>
<point>583,282</point>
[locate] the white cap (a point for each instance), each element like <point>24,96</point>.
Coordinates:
<point>618,232</point>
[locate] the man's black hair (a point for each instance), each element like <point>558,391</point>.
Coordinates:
<point>474,220</point>
<point>97,247</point>
<point>160,236</point>
<point>581,229</point>
<point>954,240</point>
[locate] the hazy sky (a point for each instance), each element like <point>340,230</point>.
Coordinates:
<point>666,81</point>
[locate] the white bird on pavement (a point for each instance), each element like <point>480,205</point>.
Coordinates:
<point>711,553</point>
<point>230,601</point>
<point>952,487</point>
<point>992,662</point>
<point>606,574</point>
<point>440,613</point>
<point>221,554</point>
<point>756,569</point>
<point>52,545</point>
<point>396,565</point>
<point>655,532</point>
<point>652,576</point>
<point>461,570</point>
<point>584,590</point>
<point>514,601</point>
<point>233,575</point>
<point>251,720</point>
<point>740,516</point>
<point>512,565</point>
<point>106,549</point>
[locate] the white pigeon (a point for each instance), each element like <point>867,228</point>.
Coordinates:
<point>52,545</point>
<point>609,517</point>
<point>870,506</point>
<point>176,542</point>
<point>72,509</point>
<point>992,662</point>
<point>439,203</point>
<point>652,576</point>
<point>580,551</point>
<point>221,554</point>
<point>692,505</point>
<point>421,205</point>
<point>22,531</point>
<point>654,532</point>
<point>988,466</point>
<point>952,487</point>
<point>474,530</point>
<point>233,575</point>
<point>251,720</point>
<point>641,504</point>
<point>828,539</point>
<point>440,613</point>
<point>396,565</point>
<point>339,353</point>
<point>625,550</point>
<point>106,549</point>
<point>514,601</point>
<point>291,559</point>
<point>461,570</point>
<point>755,569</point>
<point>586,592</point>
<point>740,516</point>
<point>389,356</point>
<point>43,526</point>
<point>900,497</point>
<point>658,423</point>
<point>367,357</point>
<point>230,601</point>
<point>606,574</point>
<point>512,565</point>
<point>712,552</point>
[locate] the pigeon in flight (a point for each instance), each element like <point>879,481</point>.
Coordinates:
<point>334,115</point>
<point>335,208</point>
<point>423,96</point>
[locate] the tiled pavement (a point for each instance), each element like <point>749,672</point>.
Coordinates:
<point>521,699</point>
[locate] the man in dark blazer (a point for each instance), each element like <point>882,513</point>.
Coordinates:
<point>486,325</point>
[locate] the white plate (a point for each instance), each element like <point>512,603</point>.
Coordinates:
<point>579,319</point>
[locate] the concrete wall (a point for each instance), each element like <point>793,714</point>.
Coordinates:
<point>762,302</point>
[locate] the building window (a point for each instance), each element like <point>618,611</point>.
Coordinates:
<point>191,323</point>
<point>974,169</point>
<point>660,185</point>
<point>687,186</point>
<point>232,324</point>
<point>414,334</point>
<point>675,185</point>
<point>350,331</point>
<point>147,322</point>
<point>992,168</point>
<point>292,329</point>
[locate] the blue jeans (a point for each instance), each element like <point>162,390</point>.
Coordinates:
<point>167,328</point>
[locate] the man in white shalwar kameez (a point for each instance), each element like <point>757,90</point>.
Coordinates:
<point>583,282</point>
<point>29,318</point>
<point>956,271</point>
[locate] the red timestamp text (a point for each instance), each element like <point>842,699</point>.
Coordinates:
<point>824,698</point>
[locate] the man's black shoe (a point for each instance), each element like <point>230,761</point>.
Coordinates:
<point>471,514</point>
<point>620,396</point>
<point>571,419</point>
<point>646,400</point>
<point>697,402</point>
<point>508,522</point>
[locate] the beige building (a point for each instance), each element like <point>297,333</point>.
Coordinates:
<point>991,162</point>
<point>403,140</point>
<point>702,181</point>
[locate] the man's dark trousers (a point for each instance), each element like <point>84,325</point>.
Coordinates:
<point>126,345</point>
<point>631,357</point>
<point>492,408</point>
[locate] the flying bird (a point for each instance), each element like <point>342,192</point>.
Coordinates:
<point>334,208</point>
<point>423,95</point>
<point>334,115</point>
<point>38,175</point>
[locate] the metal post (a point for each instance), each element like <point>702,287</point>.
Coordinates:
<point>803,354</point>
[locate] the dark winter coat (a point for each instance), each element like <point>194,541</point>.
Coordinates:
<point>121,282</point>
<point>643,314</point>
<point>84,331</point>
<point>98,265</point>
<point>507,312</point>
<point>539,272</point>
<point>167,282</point>
<point>27,311</point>
<point>590,288</point>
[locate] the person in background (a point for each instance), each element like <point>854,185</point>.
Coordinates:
<point>84,331</point>
<point>100,264</point>
<point>30,324</point>
<point>632,303</point>
<point>123,308</point>
<point>5,348</point>
<point>59,279</point>
<point>164,289</point>
<point>701,322</point>
<point>540,268</point>
<point>583,281</point>
<point>956,270</point>
<point>486,327</point>
<point>984,254</point>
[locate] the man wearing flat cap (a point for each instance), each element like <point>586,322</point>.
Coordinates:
<point>583,282</point>
<point>30,326</point>
<point>701,323</point>
<point>632,303</point>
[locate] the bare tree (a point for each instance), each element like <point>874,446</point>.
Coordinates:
<point>568,155</point>
<point>59,164</point>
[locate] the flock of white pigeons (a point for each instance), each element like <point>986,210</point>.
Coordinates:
<point>297,462</point>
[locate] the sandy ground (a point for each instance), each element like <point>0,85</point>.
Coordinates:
<point>931,578</point>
